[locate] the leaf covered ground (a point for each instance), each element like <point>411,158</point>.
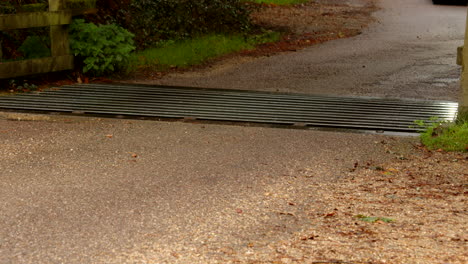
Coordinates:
<point>313,22</point>
<point>411,209</point>
<point>414,211</point>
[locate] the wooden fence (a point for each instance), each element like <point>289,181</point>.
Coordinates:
<point>61,58</point>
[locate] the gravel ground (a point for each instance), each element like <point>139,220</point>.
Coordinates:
<point>422,192</point>
<point>83,190</point>
<point>404,55</point>
<point>90,190</point>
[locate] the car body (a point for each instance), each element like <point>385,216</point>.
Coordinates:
<point>453,2</point>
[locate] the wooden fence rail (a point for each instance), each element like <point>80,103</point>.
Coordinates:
<point>61,58</point>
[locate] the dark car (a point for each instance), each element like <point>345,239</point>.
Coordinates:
<point>453,2</point>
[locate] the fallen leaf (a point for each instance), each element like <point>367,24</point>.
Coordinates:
<point>377,168</point>
<point>388,173</point>
<point>330,214</point>
<point>287,213</point>
<point>309,237</point>
<point>356,164</point>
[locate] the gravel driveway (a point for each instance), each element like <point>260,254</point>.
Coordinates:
<point>90,190</point>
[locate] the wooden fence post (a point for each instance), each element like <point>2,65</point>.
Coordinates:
<point>61,58</point>
<point>463,102</point>
<point>60,44</point>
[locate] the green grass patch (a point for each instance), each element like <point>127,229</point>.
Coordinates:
<point>448,136</point>
<point>190,52</point>
<point>278,2</point>
<point>374,219</point>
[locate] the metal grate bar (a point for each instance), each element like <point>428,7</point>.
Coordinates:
<point>230,105</point>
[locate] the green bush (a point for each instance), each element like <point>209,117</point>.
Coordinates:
<point>14,6</point>
<point>102,49</point>
<point>35,47</point>
<point>7,8</point>
<point>38,7</point>
<point>80,4</point>
<point>155,20</point>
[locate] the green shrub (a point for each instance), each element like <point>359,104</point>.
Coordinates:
<point>80,4</point>
<point>102,49</point>
<point>14,6</point>
<point>7,8</point>
<point>35,47</point>
<point>37,7</point>
<point>155,20</point>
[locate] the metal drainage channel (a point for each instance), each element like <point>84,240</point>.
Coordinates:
<point>233,106</point>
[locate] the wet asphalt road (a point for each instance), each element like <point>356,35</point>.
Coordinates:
<point>409,53</point>
<point>78,190</point>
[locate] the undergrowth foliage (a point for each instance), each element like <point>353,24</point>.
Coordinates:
<point>101,48</point>
<point>154,20</point>
<point>35,47</point>
<point>448,136</point>
<point>14,6</point>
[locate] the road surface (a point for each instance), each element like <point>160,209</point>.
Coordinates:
<point>409,53</point>
<point>87,190</point>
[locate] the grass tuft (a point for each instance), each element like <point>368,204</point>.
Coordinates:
<point>448,136</point>
<point>374,219</point>
<point>186,53</point>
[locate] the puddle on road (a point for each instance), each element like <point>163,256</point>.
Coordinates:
<point>444,82</point>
